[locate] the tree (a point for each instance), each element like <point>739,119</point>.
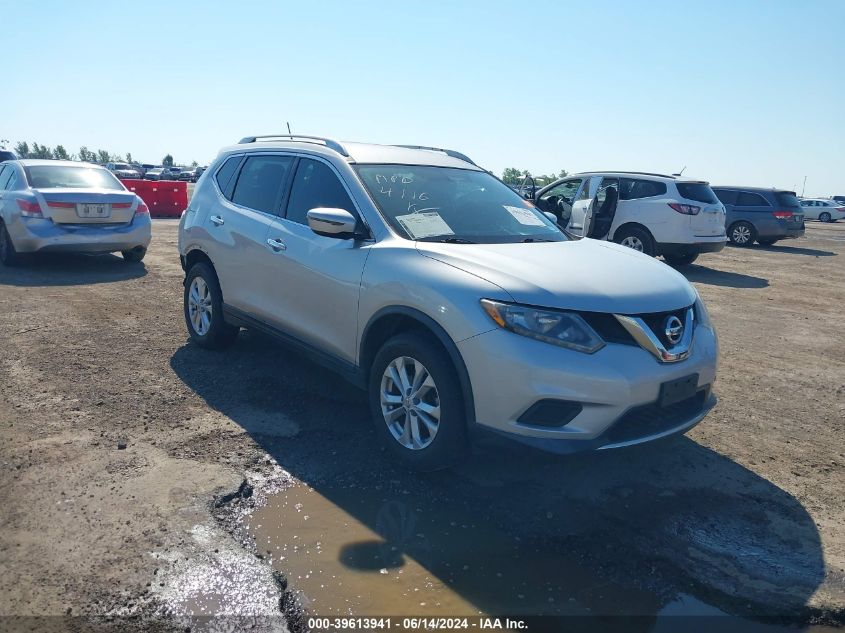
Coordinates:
<point>512,176</point>
<point>129,158</point>
<point>22,149</point>
<point>40,151</point>
<point>103,156</point>
<point>60,153</point>
<point>167,161</point>
<point>194,163</point>
<point>563,173</point>
<point>86,155</point>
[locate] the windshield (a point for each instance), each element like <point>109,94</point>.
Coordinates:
<point>121,166</point>
<point>55,176</point>
<point>445,204</point>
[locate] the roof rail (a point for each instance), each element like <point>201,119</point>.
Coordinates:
<point>641,173</point>
<point>340,149</point>
<point>448,152</point>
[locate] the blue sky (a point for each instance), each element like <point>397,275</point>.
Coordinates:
<point>739,92</point>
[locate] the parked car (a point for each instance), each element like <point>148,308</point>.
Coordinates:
<point>838,199</point>
<point>190,174</point>
<point>675,217</point>
<point>823,210</point>
<point>154,174</point>
<point>762,215</point>
<point>123,170</point>
<point>57,205</point>
<point>457,305</point>
<point>7,155</point>
<point>170,173</point>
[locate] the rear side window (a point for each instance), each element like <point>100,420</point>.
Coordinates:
<point>316,186</point>
<point>698,191</point>
<point>749,199</point>
<point>726,196</point>
<point>224,176</point>
<point>261,181</point>
<point>634,189</point>
<point>4,176</point>
<point>787,199</point>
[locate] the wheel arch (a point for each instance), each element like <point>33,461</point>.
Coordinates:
<point>392,320</point>
<point>629,225</point>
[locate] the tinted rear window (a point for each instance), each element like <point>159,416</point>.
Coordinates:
<point>698,191</point>
<point>66,176</point>
<point>751,199</point>
<point>224,175</point>
<point>633,189</point>
<point>787,199</point>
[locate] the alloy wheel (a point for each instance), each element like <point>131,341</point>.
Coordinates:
<point>741,234</point>
<point>410,403</point>
<point>199,306</point>
<point>632,241</point>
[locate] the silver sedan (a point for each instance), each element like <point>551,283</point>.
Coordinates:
<point>48,205</point>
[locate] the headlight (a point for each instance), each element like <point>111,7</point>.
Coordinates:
<point>701,311</point>
<point>565,329</point>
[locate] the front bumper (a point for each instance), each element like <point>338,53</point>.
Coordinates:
<point>617,389</point>
<point>35,235</point>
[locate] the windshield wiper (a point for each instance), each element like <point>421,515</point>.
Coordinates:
<point>456,240</point>
<point>536,239</point>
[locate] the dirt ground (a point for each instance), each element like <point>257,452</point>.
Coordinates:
<point>121,446</point>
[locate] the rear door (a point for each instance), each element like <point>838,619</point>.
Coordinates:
<point>317,279</point>
<point>582,208</point>
<point>710,220</point>
<point>238,226</point>
<point>811,209</point>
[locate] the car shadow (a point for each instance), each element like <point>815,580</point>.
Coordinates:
<point>714,277</point>
<point>795,250</point>
<point>70,269</point>
<point>655,520</point>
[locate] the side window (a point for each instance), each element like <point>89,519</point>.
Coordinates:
<point>13,179</point>
<point>585,190</point>
<point>314,186</point>
<point>748,199</point>
<point>261,182</point>
<point>559,199</point>
<point>725,197</point>
<point>634,189</point>
<point>4,176</point>
<point>224,175</point>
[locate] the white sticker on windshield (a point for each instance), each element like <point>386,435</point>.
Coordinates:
<point>420,225</point>
<point>524,216</point>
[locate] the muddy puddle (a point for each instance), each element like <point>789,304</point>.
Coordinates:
<point>357,551</point>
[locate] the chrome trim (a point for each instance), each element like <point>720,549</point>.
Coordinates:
<point>645,338</point>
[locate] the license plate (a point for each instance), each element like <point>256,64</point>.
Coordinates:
<point>678,390</point>
<point>93,210</point>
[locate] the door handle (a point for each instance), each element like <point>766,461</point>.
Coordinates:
<point>217,220</point>
<point>276,244</point>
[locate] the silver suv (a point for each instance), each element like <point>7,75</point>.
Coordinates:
<point>455,303</point>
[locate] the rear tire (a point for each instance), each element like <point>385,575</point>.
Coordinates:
<point>203,307</point>
<point>637,239</point>
<point>8,255</point>
<point>825,217</point>
<point>433,436</point>
<point>681,260</point>
<point>767,242</point>
<point>742,234</point>
<point>135,255</point>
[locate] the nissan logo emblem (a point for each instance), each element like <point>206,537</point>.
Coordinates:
<point>673,328</point>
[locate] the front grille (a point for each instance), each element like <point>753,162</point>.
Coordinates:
<point>651,419</point>
<point>608,328</point>
<point>656,320</point>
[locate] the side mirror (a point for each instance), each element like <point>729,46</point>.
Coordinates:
<point>551,216</point>
<point>332,222</point>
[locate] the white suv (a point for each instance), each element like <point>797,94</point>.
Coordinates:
<point>652,213</point>
<point>455,303</point>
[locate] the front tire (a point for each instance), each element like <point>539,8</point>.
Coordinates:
<point>416,402</point>
<point>637,239</point>
<point>8,255</point>
<point>203,307</point>
<point>742,234</point>
<point>825,217</point>
<point>681,260</point>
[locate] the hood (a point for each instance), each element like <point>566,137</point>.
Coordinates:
<point>587,275</point>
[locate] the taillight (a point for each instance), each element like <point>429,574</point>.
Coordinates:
<point>686,209</point>
<point>61,205</point>
<point>142,209</point>
<point>783,215</point>
<point>29,209</point>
